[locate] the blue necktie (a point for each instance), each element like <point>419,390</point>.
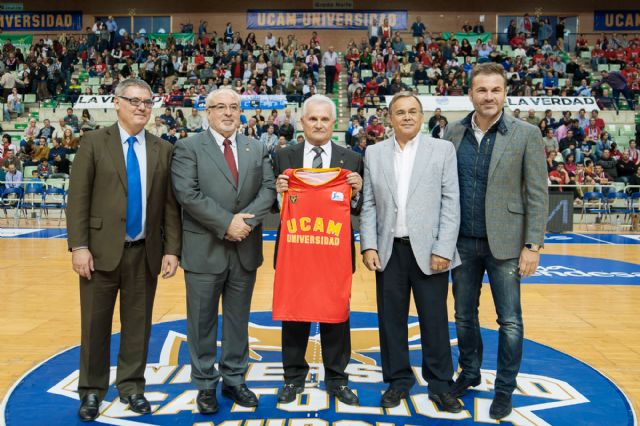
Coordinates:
<point>134,198</point>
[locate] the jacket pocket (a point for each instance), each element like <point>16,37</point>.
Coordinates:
<point>516,208</point>
<point>95,222</point>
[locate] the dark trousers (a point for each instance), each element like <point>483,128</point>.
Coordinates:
<point>137,289</point>
<point>204,291</point>
<point>330,76</point>
<point>394,285</point>
<point>504,281</point>
<point>335,340</point>
<point>628,95</point>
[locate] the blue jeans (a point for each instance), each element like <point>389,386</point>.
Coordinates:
<point>504,280</point>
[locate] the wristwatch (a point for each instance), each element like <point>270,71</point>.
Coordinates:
<point>533,247</point>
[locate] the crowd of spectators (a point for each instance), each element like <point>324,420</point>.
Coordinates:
<point>537,62</point>
<point>581,153</point>
<point>183,73</point>
<point>383,64</point>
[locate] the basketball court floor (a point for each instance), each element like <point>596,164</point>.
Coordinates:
<point>581,358</point>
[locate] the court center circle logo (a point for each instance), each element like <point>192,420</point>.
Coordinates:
<point>553,388</point>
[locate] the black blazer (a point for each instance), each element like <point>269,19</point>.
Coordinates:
<point>292,157</point>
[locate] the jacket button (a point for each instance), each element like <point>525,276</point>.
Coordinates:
<point>122,219</point>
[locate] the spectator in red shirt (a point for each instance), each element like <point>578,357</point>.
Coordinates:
<point>597,57</point>
<point>357,99</point>
<point>517,41</point>
<point>372,84</point>
<point>378,65</point>
<point>559,176</point>
<point>599,121</point>
<point>374,131</point>
<point>581,44</point>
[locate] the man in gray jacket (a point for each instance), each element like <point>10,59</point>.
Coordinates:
<point>408,229</point>
<point>504,206</point>
<point>225,185</point>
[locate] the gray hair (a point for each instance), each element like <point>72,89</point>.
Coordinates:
<point>216,92</point>
<point>132,82</point>
<point>319,99</point>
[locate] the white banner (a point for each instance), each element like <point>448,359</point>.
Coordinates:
<point>554,103</point>
<point>106,102</point>
<point>536,103</point>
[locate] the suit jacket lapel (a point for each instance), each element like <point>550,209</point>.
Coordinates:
<point>420,163</point>
<point>244,156</point>
<point>114,147</point>
<point>296,156</point>
<point>337,157</point>
<point>210,146</point>
<point>388,168</point>
<point>499,146</point>
<point>152,159</point>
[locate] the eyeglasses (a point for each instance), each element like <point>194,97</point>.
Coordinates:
<point>222,108</point>
<point>136,102</point>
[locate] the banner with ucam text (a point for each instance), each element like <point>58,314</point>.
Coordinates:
<point>305,19</point>
<point>523,103</point>
<point>106,102</point>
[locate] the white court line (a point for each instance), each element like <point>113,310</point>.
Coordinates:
<point>593,238</point>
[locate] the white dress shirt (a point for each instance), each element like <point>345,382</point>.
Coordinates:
<point>141,152</point>
<point>403,160</point>
<point>309,155</point>
<point>477,131</point>
<point>220,141</point>
<point>329,59</point>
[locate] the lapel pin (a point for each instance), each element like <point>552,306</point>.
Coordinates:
<point>247,149</point>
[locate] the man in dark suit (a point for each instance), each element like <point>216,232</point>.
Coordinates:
<point>318,118</point>
<point>504,207</point>
<point>124,228</point>
<point>225,184</point>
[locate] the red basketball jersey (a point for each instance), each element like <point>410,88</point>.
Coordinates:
<point>313,269</point>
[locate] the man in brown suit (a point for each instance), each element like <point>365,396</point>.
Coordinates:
<point>120,241</point>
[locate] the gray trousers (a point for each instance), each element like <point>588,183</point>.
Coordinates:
<point>235,286</point>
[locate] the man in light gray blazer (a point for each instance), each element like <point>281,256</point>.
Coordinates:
<point>408,230</point>
<point>504,206</point>
<point>225,185</point>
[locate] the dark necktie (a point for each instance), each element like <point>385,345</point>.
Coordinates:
<point>317,160</point>
<point>231,161</point>
<point>134,196</point>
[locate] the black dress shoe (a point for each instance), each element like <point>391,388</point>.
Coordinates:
<point>289,392</point>
<point>392,397</point>
<point>461,385</point>
<point>446,402</point>
<point>345,395</point>
<point>241,395</point>
<point>207,402</point>
<point>89,408</point>
<point>137,403</point>
<point>501,406</point>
